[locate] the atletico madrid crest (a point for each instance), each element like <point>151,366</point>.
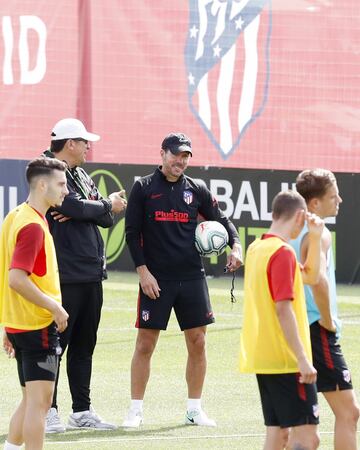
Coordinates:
<point>145,315</point>
<point>188,197</point>
<point>227,64</point>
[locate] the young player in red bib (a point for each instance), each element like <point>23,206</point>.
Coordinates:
<point>30,300</point>
<point>275,338</point>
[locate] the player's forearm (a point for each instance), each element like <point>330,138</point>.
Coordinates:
<point>322,298</point>
<point>19,282</point>
<point>311,270</point>
<point>289,327</point>
<point>237,248</point>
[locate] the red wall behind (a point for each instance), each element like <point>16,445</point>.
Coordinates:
<point>120,66</point>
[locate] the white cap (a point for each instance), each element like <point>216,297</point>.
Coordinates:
<point>71,129</point>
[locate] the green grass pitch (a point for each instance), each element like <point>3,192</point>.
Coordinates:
<point>229,397</point>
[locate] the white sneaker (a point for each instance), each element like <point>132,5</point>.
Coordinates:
<point>53,422</point>
<point>89,419</point>
<point>198,417</point>
<point>133,419</point>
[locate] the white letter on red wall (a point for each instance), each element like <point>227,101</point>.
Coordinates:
<point>36,74</point>
<point>28,75</point>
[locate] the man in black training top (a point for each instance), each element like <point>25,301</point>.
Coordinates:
<point>161,218</point>
<point>82,267</point>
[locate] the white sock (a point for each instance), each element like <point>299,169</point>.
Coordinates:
<point>136,405</point>
<point>9,446</point>
<point>193,403</point>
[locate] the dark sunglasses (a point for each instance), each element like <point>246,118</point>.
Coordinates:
<point>81,140</point>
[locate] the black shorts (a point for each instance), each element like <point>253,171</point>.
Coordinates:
<point>332,371</point>
<point>190,300</point>
<point>37,353</point>
<point>286,402</point>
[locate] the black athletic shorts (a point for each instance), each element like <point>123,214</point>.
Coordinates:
<point>37,353</point>
<point>190,300</point>
<point>286,402</point>
<point>332,371</point>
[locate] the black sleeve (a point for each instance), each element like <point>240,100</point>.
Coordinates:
<point>133,224</point>
<point>95,211</point>
<point>210,210</point>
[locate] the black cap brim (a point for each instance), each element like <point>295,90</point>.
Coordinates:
<point>175,150</point>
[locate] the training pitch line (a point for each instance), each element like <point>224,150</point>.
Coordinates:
<point>167,438</point>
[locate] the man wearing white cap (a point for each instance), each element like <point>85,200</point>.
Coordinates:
<point>82,267</point>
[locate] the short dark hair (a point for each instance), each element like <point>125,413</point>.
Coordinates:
<point>43,166</point>
<point>313,183</point>
<point>57,146</point>
<point>286,203</point>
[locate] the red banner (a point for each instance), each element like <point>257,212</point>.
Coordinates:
<point>254,83</point>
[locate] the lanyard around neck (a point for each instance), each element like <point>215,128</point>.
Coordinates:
<point>73,174</point>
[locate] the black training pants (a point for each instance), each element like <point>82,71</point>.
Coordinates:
<point>83,302</point>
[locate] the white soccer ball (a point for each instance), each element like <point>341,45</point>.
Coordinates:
<point>211,238</point>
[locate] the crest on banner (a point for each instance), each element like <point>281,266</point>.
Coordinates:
<point>227,66</point>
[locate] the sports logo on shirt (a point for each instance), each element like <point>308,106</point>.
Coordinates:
<point>155,196</point>
<point>145,315</point>
<point>171,216</point>
<point>188,197</point>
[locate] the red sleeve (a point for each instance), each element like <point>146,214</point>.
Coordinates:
<point>29,253</point>
<point>281,273</point>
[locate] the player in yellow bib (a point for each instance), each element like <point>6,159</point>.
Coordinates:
<point>30,300</point>
<point>275,338</point>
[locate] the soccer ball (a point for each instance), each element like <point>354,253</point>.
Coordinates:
<point>211,238</point>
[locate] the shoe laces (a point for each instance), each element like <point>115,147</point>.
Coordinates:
<point>53,418</point>
<point>87,419</point>
<point>95,415</point>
